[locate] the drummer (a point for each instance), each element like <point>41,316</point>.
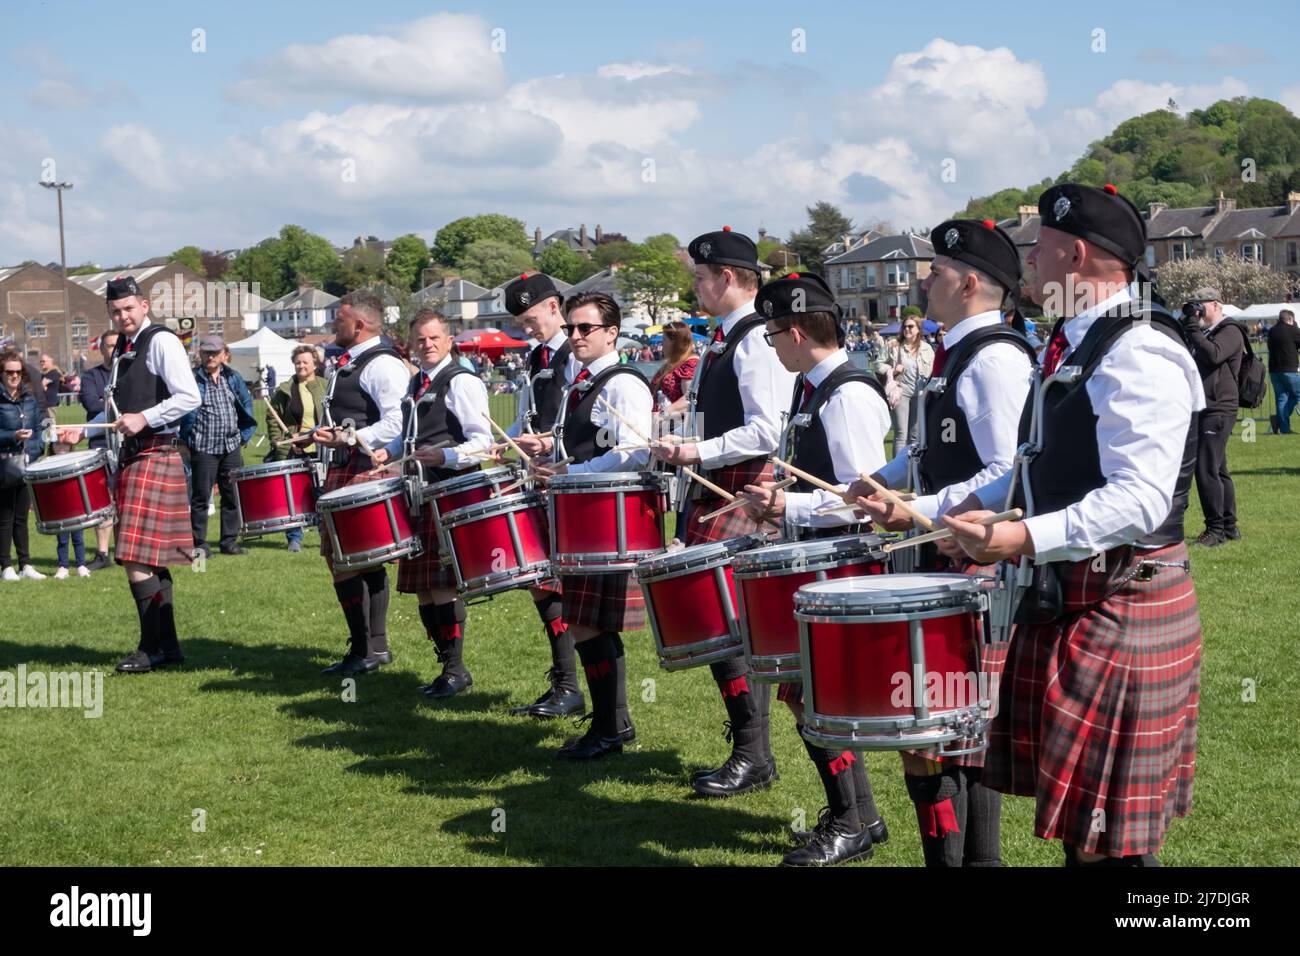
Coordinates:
<point>847,419</point>
<point>740,391</point>
<point>599,606</point>
<point>153,526</point>
<point>1098,708</point>
<point>970,439</point>
<point>451,415</point>
<point>536,302</point>
<point>366,387</point>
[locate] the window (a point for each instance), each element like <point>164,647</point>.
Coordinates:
<point>216,327</point>
<point>1291,253</point>
<point>844,277</point>
<point>36,328</point>
<point>1252,251</point>
<point>896,273</point>
<point>871,277</point>
<point>1151,256</point>
<point>80,332</point>
<point>1218,253</point>
<point>1177,251</point>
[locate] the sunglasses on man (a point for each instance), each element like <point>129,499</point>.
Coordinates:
<point>584,329</point>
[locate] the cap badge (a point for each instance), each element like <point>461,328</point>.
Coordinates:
<point>767,306</point>
<point>706,249</point>
<point>1061,208</point>
<point>525,298</point>
<point>951,237</point>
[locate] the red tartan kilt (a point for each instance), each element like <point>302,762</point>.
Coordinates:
<point>1098,709</point>
<point>735,523</point>
<point>153,508</point>
<point>355,472</point>
<point>607,602</point>
<point>425,572</point>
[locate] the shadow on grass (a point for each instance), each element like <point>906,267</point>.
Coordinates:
<point>1265,471</point>
<point>13,654</point>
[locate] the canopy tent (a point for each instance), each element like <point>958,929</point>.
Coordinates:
<point>263,348</point>
<point>490,342</point>
<point>1265,311</point>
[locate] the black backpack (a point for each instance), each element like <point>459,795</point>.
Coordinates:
<point>1251,375</point>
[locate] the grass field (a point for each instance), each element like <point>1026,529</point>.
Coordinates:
<point>289,773</point>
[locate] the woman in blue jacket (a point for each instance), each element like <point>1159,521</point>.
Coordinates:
<point>19,441</point>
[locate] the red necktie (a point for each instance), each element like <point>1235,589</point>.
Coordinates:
<point>808,389</point>
<point>344,359</point>
<point>130,347</point>
<point>940,357</point>
<point>717,337</point>
<point>424,386</point>
<point>574,394</point>
<point>546,356</point>
<point>1055,350</point>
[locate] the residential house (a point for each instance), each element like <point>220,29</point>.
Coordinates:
<point>33,320</point>
<point>576,239</point>
<point>456,298</point>
<point>877,279</point>
<point>301,312</point>
<point>492,312</point>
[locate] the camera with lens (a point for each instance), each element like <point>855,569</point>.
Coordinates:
<point>1193,311</point>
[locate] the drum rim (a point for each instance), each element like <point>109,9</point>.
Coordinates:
<point>826,547</point>
<point>956,584</point>
<point>607,481</point>
<point>283,466</point>
<point>511,503</point>
<point>50,467</point>
<point>343,495</point>
<point>470,479</point>
<point>670,569</point>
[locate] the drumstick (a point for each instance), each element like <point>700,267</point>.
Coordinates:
<point>1015,514</point>
<point>898,502</point>
<point>741,502</point>
<point>292,440</point>
<point>389,464</point>
<point>523,481</point>
<point>511,442</point>
<point>280,421</point>
<point>827,509</point>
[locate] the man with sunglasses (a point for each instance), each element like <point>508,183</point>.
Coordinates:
<point>450,407</point>
<point>839,417</point>
<point>740,391</point>
<point>970,428</point>
<point>536,302</point>
<point>597,607</point>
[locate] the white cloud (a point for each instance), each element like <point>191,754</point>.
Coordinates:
<point>1290,98</point>
<point>441,58</point>
<point>1128,98</point>
<point>136,151</point>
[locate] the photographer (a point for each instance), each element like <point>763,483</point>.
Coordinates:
<point>1217,346</point>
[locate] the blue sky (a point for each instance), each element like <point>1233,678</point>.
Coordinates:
<point>396,117</point>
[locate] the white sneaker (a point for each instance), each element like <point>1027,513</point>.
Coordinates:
<point>31,572</point>
<point>83,571</point>
<point>9,575</point>
<point>212,507</point>
<point>61,574</point>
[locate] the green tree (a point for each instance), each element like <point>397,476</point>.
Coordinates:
<point>489,262</point>
<point>190,257</point>
<point>361,268</point>
<point>453,239</point>
<point>85,269</point>
<point>257,266</point>
<point>561,262</point>
<point>303,257</point>
<point>613,253</point>
<point>408,257</point>
<point>826,224</point>
<point>654,277</point>
<point>1241,282</point>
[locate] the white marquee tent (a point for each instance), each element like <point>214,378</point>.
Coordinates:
<point>262,348</point>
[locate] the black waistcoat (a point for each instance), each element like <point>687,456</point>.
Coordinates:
<point>435,422</point>
<point>349,399</point>
<point>809,446</point>
<point>547,385</point>
<point>945,463</point>
<point>138,388</point>
<point>1069,464</point>
<point>718,405</point>
<point>580,434</point>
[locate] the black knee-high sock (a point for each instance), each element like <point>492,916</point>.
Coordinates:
<point>867,812</point>
<point>600,663</point>
<point>148,605</point>
<point>564,662</point>
<point>748,709</point>
<point>352,599</point>
<point>1143,859</point>
<point>622,716</point>
<point>940,813</point>
<point>983,821</point>
<point>377,610</point>
<point>167,638</point>
<point>444,623</point>
<point>836,774</point>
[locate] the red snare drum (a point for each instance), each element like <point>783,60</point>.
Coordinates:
<point>766,581</point>
<point>71,492</point>
<point>462,491</point>
<point>604,523</point>
<point>690,599</point>
<point>893,662</point>
<point>369,523</point>
<point>498,545</point>
<point>275,496</point>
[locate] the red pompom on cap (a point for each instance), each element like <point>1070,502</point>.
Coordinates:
<point>793,275</point>
<point>989,223</point>
<point>524,276</point>
<point>726,229</point>
<point>1110,188</point>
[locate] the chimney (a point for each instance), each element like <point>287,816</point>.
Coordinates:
<point>1224,205</point>
<point>1292,202</point>
<point>1025,213</point>
<point>847,239</point>
<point>762,233</point>
<point>537,236</point>
<point>582,236</point>
<point>599,233</point>
<point>1154,209</point>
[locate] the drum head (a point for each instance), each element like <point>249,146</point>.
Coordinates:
<point>811,553</point>
<point>605,481</point>
<point>73,461</point>
<point>697,556</point>
<point>474,479</point>
<point>355,494</point>
<point>886,589</point>
<point>272,468</point>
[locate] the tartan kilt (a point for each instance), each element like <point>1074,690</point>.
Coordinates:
<point>608,602</point>
<point>153,507</point>
<point>354,472</point>
<point>425,572</point>
<point>735,523</point>
<point>1098,709</point>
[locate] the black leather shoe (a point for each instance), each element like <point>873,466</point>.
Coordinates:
<point>833,841</point>
<point>735,777</point>
<point>1208,539</point>
<point>172,657</point>
<point>590,746</point>
<point>447,685</point>
<point>102,562</point>
<point>234,550</point>
<point>879,834</point>
<point>138,662</point>
<point>1232,534</point>
<point>359,665</point>
<point>556,702</point>
<point>346,665</point>
<point>384,657</point>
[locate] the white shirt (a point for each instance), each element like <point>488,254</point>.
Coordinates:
<point>467,399</point>
<point>855,419</point>
<point>631,397</point>
<point>991,393</point>
<point>1144,393</point>
<point>571,368</point>
<point>384,380</point>
<point>167,359</point>
<point>765,390</point>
